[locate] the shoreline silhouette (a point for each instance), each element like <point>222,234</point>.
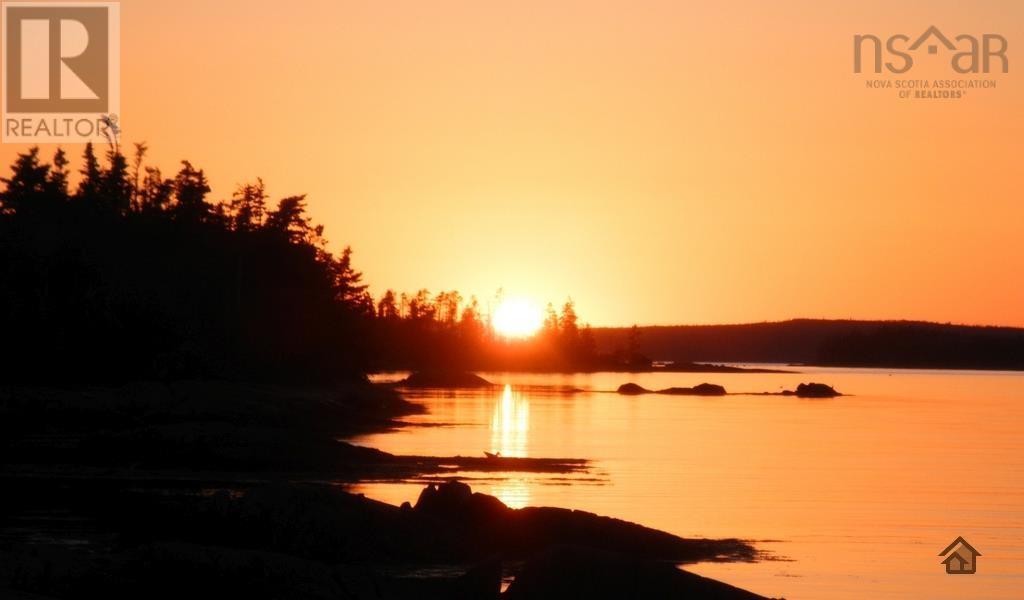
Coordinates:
<point>205,475</point>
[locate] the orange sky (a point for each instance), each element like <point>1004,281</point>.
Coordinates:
<point>659,162</point>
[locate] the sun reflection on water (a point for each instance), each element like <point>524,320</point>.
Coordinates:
<point>514,492</point>
<point>510,436</point>
<point>510,424</point>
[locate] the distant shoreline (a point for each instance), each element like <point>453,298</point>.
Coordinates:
<point>832,343</point>
<point>695,367</point>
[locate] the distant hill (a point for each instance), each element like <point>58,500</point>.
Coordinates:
<point>910,344</point>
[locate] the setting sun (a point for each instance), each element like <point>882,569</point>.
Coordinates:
<point>517,318</point>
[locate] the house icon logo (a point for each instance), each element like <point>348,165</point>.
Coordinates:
<point>961,558</point>
<point>933,31</point>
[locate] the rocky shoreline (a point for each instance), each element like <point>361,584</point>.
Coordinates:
<point>172,490</point>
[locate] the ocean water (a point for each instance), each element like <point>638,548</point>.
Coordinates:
<point>852,497</point>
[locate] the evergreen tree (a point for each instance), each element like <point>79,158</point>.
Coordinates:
<point>58,178</point>
<point>387,308</point>
<point>346,280</point>
<point>27,188</point>
<point>156,192</point>
<point>190,190</point>
<point>289,220</point>
<point>115,190</point>
<point>92,178</point>
<point>140,156</point>
<point>248,206</point>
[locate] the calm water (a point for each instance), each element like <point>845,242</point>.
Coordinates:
<point>858,494</point>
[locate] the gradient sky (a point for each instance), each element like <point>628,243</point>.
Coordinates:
<point>660,162</point>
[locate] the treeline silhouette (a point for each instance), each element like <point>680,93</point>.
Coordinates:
<point>444,331</point>
<point>133,275</point>
<point>834,342</point>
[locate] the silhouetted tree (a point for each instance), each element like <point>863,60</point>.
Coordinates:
<point>140,156</point>
<point>115,188</point>
<point>58,178</point>
<point>248,206</point>
<point>289,219</point>
<point>156,193</point>
<point>387,308</point>
<point>471,327</point>
<point>190,190</point>
<point>28,188</point>
<point>92,179</point>
<point>568,326</point>
<point>550,327</point>
<point>346,280</point>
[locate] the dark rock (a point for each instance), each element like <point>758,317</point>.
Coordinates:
<point>816,390</point>
<point>455,502</point>
<point>445,379</point>
<point>492,527</point>
<point>444,499</point>
<point>482,582</point>
<point>704,389</point>
<point>325,524</point>
<point>274,540</point>
<point>632,389</point>
<point>692,367</point>
<point>575,572</point>
<point>709,389</point>
<point>234,573</point>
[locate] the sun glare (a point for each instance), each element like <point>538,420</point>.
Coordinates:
<point>517,318</point>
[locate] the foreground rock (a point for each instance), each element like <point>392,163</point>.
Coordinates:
<point>575,572</point>
<point>318,542</point>
<point>445,379</point>
<point>703,389</point>
<point>522,532</point>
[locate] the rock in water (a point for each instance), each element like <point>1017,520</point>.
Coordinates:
<point>816,390</point>
<point>709,389</point>
<point>632,389</point>
<point>704,389</point>
<point>445,379</point>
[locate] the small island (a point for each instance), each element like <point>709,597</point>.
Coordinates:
<point>703,389</point>
<point>444,379</point>
<point>803,390</point>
